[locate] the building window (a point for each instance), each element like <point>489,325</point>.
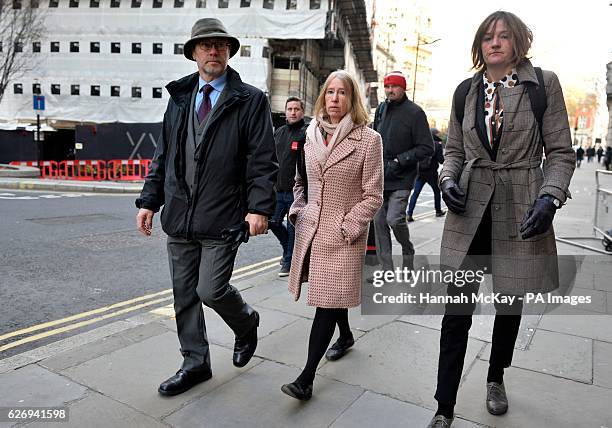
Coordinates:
<point>34,4</point>
<point>136,4</point>
<point>16,4</point>
<point>115,3</point>
<point>18,47</point>
<point>53,3</point>
<point>178,49</point>
<point>75,89</point>
<point>115,91</point>
<point>157,4</point>
<point>157,48</point>
<point>315,4</point>
<point>35,47</point>
<point>73,3</point>
<point>36,89</point>
<point>179,3</point>
<point>223,4</point>
<point>74,46</point>
<point>136,48</point>
<point>115,47</point>
<point>94,3</point>
<point>55,46</point>
<point>55,89</point>
<point>157,92</point>
<point>136,92</point>
<point>94,90</point>
<point>265,52</point>
<point>268,4</point>
<point>200,4</point>
<point>245,3</point>
<point>94,47</point>
<point>291,4</point>
<point>245,50</point>
<point>18,88</point>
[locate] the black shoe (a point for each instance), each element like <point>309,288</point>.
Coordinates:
<point>244,347</point>
<point>440,213</point>
<point>440,421</point>
<point>298,390</point>
<point>497,401</point>
<point>410,219</point>
<point>339,348</point>
<point>183,381</point>
<point>284,270</point>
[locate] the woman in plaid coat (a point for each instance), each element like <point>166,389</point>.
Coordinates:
<point>501,201</point>
<point>344,182</point>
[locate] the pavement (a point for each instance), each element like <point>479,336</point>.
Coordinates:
<point>561,374</point>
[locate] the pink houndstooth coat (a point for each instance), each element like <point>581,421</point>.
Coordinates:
<point>333,226</point>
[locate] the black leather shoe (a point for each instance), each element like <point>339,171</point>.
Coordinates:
<point>410,219</point>
<point>497,401</point>
<point>440,213</point>
<point>440,421</point>
<point>298,390</point>
<point>339,348</point>
<point>183,381</point>
<point>245,346</point>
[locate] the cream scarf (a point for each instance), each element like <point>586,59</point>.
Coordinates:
<point>339,131</point>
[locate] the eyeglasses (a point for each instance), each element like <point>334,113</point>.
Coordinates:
<point>208,45</point>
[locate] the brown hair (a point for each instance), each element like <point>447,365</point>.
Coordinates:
<point>356,107</point>
<point>520,34</point>
<point>290,99</point>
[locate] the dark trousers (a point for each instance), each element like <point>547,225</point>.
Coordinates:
<point>418,186</point>
<point>457,321</point>
<point>200,272</point>
<point>284,234</point>
<point>392,215</point>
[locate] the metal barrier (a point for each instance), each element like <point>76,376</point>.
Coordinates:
<point>602,221</point>
<point>127,169</point>
<point>83,170</point>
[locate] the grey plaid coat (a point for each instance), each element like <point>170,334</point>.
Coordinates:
<point>511,184</point>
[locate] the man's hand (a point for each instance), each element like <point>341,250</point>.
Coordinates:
<point>453,196</point>
<point>258,224</point>
<point>538,218</point>
<point>144,221</point>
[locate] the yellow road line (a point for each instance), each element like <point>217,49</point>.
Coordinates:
<point>251,272</point>
<point>254,265</point>
<point>78,324</point>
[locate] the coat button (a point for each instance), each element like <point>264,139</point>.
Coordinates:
<point>504,151</point>
<point>318,203</point>
<point>510,126</point>
<point>496,207</point>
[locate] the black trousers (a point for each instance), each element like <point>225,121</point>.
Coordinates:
<point>457,321</point>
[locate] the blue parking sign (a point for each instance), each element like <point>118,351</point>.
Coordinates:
<point>39,102</point>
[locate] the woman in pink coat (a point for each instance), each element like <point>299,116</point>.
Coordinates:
<point>337,192</point>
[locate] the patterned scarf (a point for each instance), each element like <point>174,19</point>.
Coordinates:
<point>494,109</point>
<point>319,129</point>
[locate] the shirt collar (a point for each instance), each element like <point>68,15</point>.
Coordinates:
<point>218,84</point>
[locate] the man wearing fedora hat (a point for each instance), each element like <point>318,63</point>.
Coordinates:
<point>213,172</point>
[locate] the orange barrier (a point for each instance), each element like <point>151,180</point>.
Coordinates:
<point>24,163</point>
<point>48,169</point>
<point>84,170</point>
<point>127,169</point>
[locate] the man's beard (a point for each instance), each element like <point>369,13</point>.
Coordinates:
<point>213,71</point>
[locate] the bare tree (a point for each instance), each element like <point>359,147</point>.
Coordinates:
<point>20,26</point>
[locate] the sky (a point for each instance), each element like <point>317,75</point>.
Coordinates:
<point>572,38</point>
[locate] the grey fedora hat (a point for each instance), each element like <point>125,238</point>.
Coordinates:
<point>207,28</point>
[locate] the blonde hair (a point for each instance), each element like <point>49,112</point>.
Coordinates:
<point>355,106</point>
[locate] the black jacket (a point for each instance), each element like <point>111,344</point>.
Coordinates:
<point>406,140</point>
<point>288,139</point>
<point>235,162</point>
<point>437,159</point>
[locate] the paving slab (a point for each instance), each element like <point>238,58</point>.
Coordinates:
<point>399,360</point>
<point>284,302</point>
<point>98,411</point>
<point>536,399</point>
<point>368,322</point>
<point>375,410</point>
<point>35,386</point>
<point>132,375</point>
<point>290,344</point>
<point>254,295</point>
<point>103,346</point>
<point>575,361</point>
<point>579,323</point>
<point>602,364</point>
<point>254,400</point>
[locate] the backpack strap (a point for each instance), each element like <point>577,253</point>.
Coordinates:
<point>459,99</point>
<point>537,97</point>
<point>379,115</point>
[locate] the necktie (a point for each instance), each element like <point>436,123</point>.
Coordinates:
<point>205,105</point>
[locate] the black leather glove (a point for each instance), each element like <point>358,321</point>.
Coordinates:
<point>538,218</point>
<point>453,196</point>
<point>238,233</point>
